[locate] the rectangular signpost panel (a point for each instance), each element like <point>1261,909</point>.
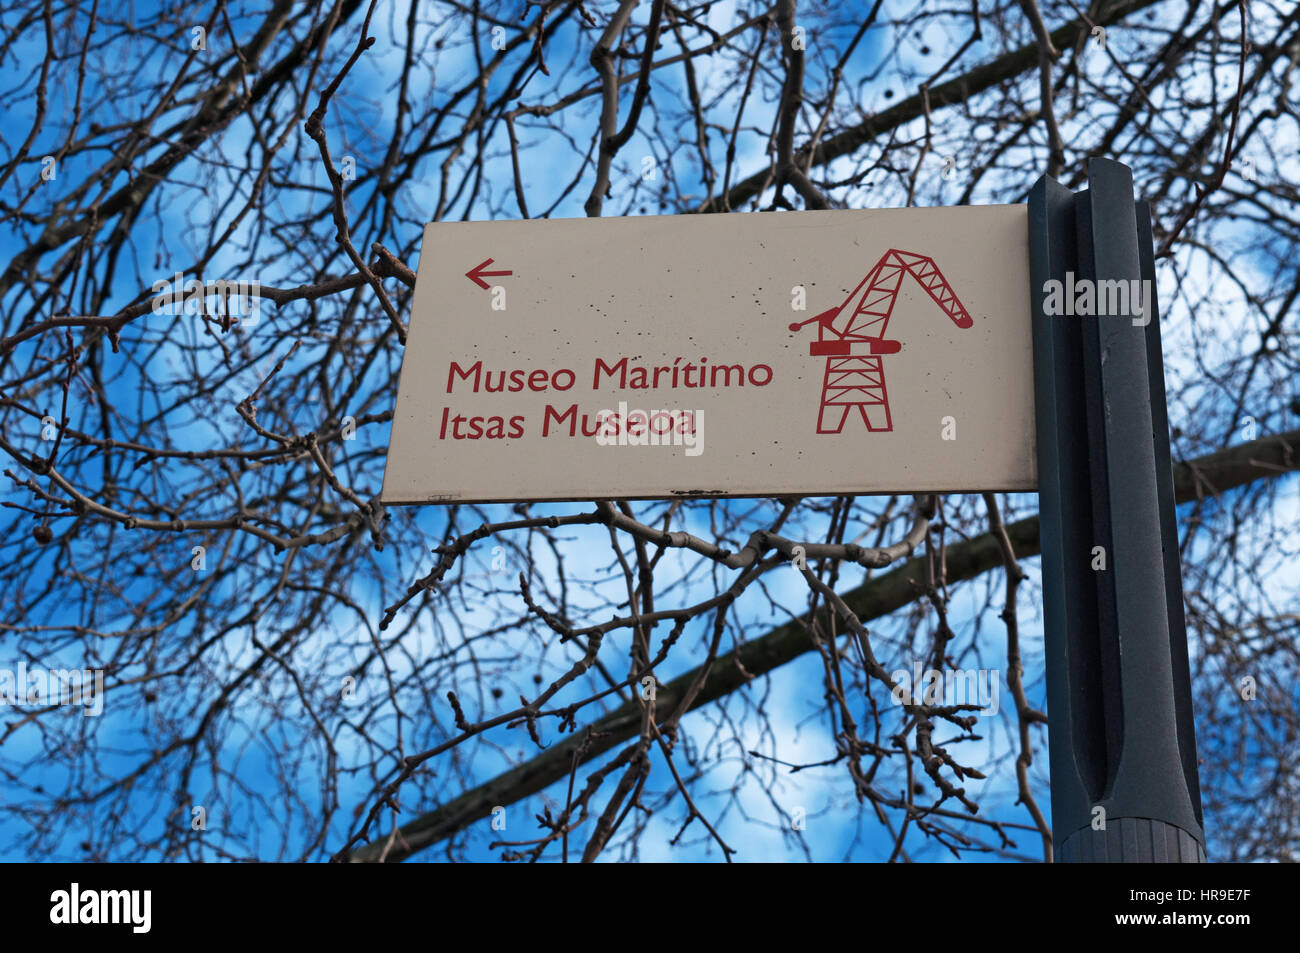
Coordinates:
<point>655,357</point>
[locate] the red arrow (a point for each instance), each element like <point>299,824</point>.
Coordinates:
<point>477,274</point>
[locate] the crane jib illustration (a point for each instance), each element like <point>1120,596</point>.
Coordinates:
<point>852,339</point>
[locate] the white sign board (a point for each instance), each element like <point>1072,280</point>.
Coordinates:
<point>754,354</point>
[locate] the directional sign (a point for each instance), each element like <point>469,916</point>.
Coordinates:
<point>751,354</point>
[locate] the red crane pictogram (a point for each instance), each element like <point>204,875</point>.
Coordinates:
<point>858,379</point>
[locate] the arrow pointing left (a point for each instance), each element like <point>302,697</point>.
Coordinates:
<point>477,274</point>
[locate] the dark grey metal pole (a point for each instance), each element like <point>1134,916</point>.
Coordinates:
<point>1123,749</point>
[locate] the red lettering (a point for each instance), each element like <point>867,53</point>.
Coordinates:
<point>726,374</point>
<point>620,366</point>
<point>571,415</point>
<point>465,374</point>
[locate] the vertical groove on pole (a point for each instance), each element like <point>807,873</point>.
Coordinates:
<point>1101,649</point>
